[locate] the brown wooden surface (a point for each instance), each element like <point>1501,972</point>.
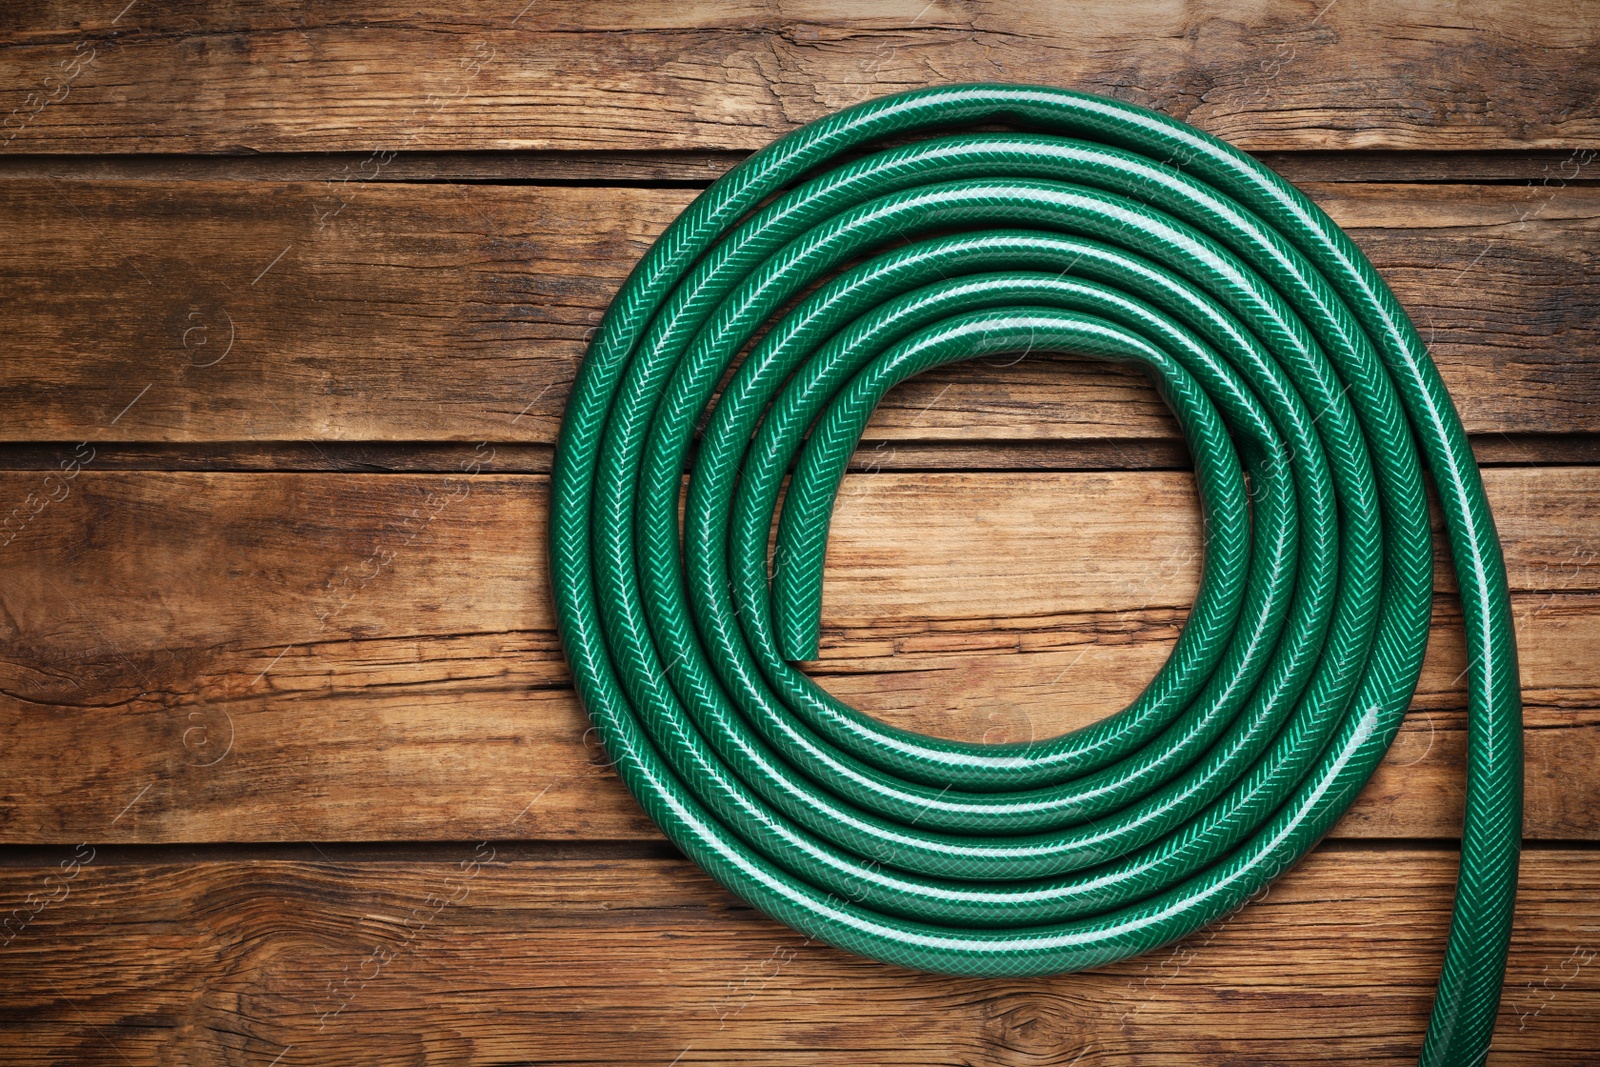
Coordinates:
<point>459,312</point>
<point>292,771</point>
<point>173,634</point>
<point>488,953</point>
<point>268,77</point>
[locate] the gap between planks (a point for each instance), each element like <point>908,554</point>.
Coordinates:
<point>700,168</point>
<point>535,850</point>
<point>871,456</point>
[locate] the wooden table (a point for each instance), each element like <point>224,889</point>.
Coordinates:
<point>293,297</point>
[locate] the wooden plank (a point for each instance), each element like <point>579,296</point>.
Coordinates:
<point>259,657</point>
<point>260,312</point>
<point>257,77</point>
<point>488,954</point>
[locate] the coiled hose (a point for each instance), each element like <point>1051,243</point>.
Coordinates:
<point>839,267</point>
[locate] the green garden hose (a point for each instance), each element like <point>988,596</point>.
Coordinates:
<point>968,221</point>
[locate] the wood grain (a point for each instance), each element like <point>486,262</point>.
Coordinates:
<point>167,311</point>
<point>262,657</point>
<point>264,76</point>
<point>491,954</point>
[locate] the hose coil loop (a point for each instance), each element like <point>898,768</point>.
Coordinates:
<point>1002,219</point>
